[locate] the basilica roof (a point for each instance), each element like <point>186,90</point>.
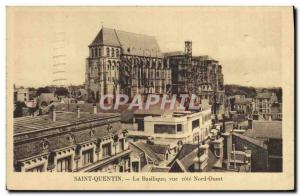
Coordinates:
<point>131,43</point>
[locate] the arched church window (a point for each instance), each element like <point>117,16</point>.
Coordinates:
<point>99,51</point>
<point>113,52</point>
<point>107,51</point>
<point>117,52</point>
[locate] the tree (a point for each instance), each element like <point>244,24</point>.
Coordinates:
<point>61,91</point>
<point>42,90</point>
<point>232,89</point>
<point>18,112</point>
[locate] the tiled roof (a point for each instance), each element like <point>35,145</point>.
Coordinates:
<point>188,160</point>
<point>266,129</point>
<point>131,43</point>
<point>158,148</point>
<point>28,123</point>
<point>61,140</point>
<point>250,139</point>
<point>186,149</point>
<point>153,151</point>
<point>187,155</point>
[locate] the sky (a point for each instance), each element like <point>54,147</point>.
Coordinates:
<point>246,42</point>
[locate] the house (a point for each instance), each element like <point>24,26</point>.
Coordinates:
<point>263,102</point>
<point>148,156</point>
<point>70,142</point>
<point>270,133</point>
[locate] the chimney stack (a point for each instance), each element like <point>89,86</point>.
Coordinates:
<point>179,144</point>
<point>78,112</point>
<point>52,113</point>
<point>94,108</point>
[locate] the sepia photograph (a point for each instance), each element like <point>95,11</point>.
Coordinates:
<point>194,97</point>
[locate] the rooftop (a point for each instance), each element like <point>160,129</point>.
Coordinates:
<point>160,169</point>
<point>185,158</point>
<point>131,43</point>
<point>153,151</point>
<point>265,129</point>
<point>38,123</point>
<point>174,53</point>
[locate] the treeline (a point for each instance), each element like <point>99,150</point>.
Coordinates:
<point>233,89</point>
<point>250,92</point>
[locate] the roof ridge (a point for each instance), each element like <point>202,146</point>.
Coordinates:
<point>118,37</point>
<point>128,32</point>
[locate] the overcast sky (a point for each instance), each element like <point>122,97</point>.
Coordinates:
<point>247,42</point>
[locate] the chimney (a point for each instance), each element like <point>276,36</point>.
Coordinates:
<point>94,108</point>
<point>78,112</point>
<point>224,124</point>
<point>200,162</point>
<point>227,144</point>
<point>179,144</point>
<point>250,123</point>
<point>150,140</point>
<point>52,113</point>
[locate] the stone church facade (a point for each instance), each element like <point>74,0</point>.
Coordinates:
<point>121,62</point>
<point>126,63</point>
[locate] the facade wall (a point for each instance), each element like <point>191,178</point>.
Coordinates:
<point>187,128</point>
<point>259,155</point>
<point>263,106</point>
<point>102,71</point>
<point>21,94</point>
<point>72,151</point>
<point>111,72</point>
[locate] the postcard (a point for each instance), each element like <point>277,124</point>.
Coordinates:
<point>150,98</point>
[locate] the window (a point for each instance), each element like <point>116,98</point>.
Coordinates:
<point>96,52</point>
<point>140,123</point>
<point>64,164</point>
<point>87,156</point>
<point>121,145</point>
<point>117,53</point>
<point>135,166</point>
<point>170,129</point>
<point>195,124</point>
<point>99,51</point>
<point>106,150</point>
<point>179,127</point>
<point>113,52</point>
<point>36,169</point>
<point>107,51</point>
